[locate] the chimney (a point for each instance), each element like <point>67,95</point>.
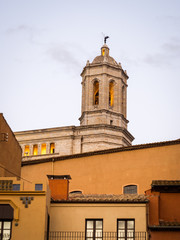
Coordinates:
<point>59,186</point>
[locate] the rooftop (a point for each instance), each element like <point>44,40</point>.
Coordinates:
<point>103,198</point>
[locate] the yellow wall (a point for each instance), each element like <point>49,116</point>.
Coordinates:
<point>108,173</point>
<point>32,221</point>
<point>71,217</point>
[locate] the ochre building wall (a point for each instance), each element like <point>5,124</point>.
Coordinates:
<point>109,172</point>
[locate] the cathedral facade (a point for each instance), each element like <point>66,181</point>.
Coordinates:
<point>103,122</point>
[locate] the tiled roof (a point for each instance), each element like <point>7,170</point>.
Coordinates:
<point>166,223</point>
<point>104,198</point>
<point>165,183</point>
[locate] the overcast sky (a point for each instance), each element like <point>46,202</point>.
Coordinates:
<point>44,45</point>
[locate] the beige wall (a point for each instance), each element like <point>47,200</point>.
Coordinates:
<point>108,173</point>
<point>71,217</point>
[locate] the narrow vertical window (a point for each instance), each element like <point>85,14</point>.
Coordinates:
<point>26,150</point>
<point>125,229</point>
<point>43,148</point>
<point>94,229</point>
<point>52,148</point>
<point>111,94</point>
<point>35,149</point>
<point>96,93</point>
<point>122,100</point>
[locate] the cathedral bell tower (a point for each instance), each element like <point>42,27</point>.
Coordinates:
<point>104,96</point>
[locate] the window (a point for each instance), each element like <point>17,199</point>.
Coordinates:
<point>52,148</point>
<point>26,150</point>
<point>6,217</point>
<point>111,94</point>
<point>94,229</point>
<point>5,230</point>
<point>6,185</point>
<point>35,149</point>
<point>16,187</point>
<point>43,148</point>
<point>38,187</point>
<point>96,93</point>
<point>130,189</point>
<point>125,229</point>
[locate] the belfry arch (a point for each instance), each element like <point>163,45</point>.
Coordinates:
<point>96,92</point>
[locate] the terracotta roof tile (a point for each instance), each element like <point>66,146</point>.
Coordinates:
<point>105,198</point>
<point>166,223</point>
<point>165,183</point>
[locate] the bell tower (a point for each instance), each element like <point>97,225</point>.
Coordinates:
<point>104,96</point>
<point>104,91</point>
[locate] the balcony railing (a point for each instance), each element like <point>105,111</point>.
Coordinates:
<point>105,236</point>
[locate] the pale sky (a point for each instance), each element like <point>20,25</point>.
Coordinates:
<point>44,45</point>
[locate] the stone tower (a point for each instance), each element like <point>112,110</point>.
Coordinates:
<point>103,123</point>
<point>104,97</point>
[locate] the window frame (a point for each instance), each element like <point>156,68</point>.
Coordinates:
<point>125,188</point>
<point>126,237</point>
<point>94,228</point>
<point>2,227</point>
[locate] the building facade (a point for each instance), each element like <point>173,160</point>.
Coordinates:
<point>103,121</point>
<point>10,151</point>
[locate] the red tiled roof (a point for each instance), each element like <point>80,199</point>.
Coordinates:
<point>165,183</point>
<point>104,198</point>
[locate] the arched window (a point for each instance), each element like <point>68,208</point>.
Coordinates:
<point>43,148</point>
<point>111,94</point>
<point>52,148</point>
<point>35,149</point>
<point>26,150</point>
<point>130,189</point>
<point>96,93</point>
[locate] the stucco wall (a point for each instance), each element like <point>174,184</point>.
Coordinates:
<point>108,173</point>
<point>71,217</point>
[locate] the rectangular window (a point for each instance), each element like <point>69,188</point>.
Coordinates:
<point>43,148</point>
<point>5,230</point>
<point>125,229</point>
<point>38,187</point>
<point>35,149</point>
<point>94,229</point>
<point>16,187</point>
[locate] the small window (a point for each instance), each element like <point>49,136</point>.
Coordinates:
<point>52,148</point>
<point>43,148</point>
<point>35,149</point>
<point>38,187</point>
<point>130,189</point>
<point>26,150</point>
<point>111,122</point>
<point>125,228</point>
<point>16,187</point>
<point>96,93</point>
<point>94,229</point>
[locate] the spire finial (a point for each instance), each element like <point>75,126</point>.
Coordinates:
<point>105,38</point>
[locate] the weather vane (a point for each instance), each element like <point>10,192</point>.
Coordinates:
<point>105,38</point>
